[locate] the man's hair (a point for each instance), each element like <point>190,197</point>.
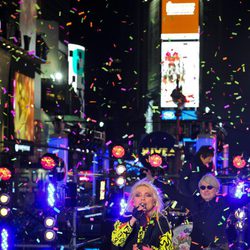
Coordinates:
<point>211,180</point>
<point>205,151</point>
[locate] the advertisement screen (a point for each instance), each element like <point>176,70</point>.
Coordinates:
<point>23,107</point>
<point>180,63</point>
<point>180,19</point>
<point>76,60</point>
<point>185,115</point>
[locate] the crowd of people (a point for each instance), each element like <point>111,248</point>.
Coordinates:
<point>146,227</point>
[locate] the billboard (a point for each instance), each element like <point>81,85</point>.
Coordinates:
<point>23,106</point>
<point>180,19</point>
<point>180,63</point>
<point>170,115</point>
<point>76,60</point>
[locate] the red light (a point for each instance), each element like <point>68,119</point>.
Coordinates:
<point>5,174</point>
<point>155,160</point>
<point>239,162</point>
<point>48,162</point>
<point>118,151</point>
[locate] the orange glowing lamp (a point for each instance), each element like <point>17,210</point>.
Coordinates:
<point>239,162</point>
<point>48,162</point>
<point>155,160</point>
<point>5,174</point>
<point>118,151</point>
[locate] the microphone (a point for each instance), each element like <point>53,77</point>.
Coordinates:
<point>140,215</point>
<point>143,205</point>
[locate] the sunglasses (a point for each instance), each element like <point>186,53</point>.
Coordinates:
<point>206,187</point>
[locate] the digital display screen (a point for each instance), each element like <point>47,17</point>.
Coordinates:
<point>180,19</point>
<point>180,63</point>
<point>76,60</point>
<point>23,107</point>
<point>185,115</point>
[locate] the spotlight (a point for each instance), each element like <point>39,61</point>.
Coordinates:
<point>4,199</point>
<point>4,211</point>
<point>49,222</point>
<point>120,181</point>
<point>120,169</point>
<point>49,235</point>
<point>101,124</point>
<point>239,190</point>
<point>240,225</point>
<point>240,214</point>
<point>58,76</point>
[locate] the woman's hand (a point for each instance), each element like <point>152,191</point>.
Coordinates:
<point>146,248</point>
<point>149,175</point>
<point>135,247</point>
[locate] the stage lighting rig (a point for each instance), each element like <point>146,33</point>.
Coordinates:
<point>4,239</point>
<point>4,205</point>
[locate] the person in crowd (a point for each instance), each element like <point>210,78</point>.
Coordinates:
<point>192,170</point>
<point>209,211</point>
<point>143,227</point>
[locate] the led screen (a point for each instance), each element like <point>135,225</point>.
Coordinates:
<point>180,61</point>
<point>180,19</point>
<point>185,115</point>
<point>76,60</point>
<point>23,107</point>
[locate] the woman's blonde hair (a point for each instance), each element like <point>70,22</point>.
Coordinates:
<point>211,180</point>
<point>155,192</point>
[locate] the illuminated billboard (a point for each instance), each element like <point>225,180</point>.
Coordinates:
<point>24,107</point>
<point>180,62</point>
<point>76,60</point>
<point>170,115</point>
<point>180,19</point>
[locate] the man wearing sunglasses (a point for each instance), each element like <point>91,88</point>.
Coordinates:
<point>209,211</point>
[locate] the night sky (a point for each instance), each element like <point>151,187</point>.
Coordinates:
<point>225,69</point>
<point>108,30</point>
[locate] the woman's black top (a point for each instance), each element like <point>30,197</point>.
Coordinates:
<point>156,234</point>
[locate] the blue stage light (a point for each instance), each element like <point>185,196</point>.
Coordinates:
<point>239,191</point>
<point>123,206</point>
<point>51,195</point>
<point>4,239</point>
